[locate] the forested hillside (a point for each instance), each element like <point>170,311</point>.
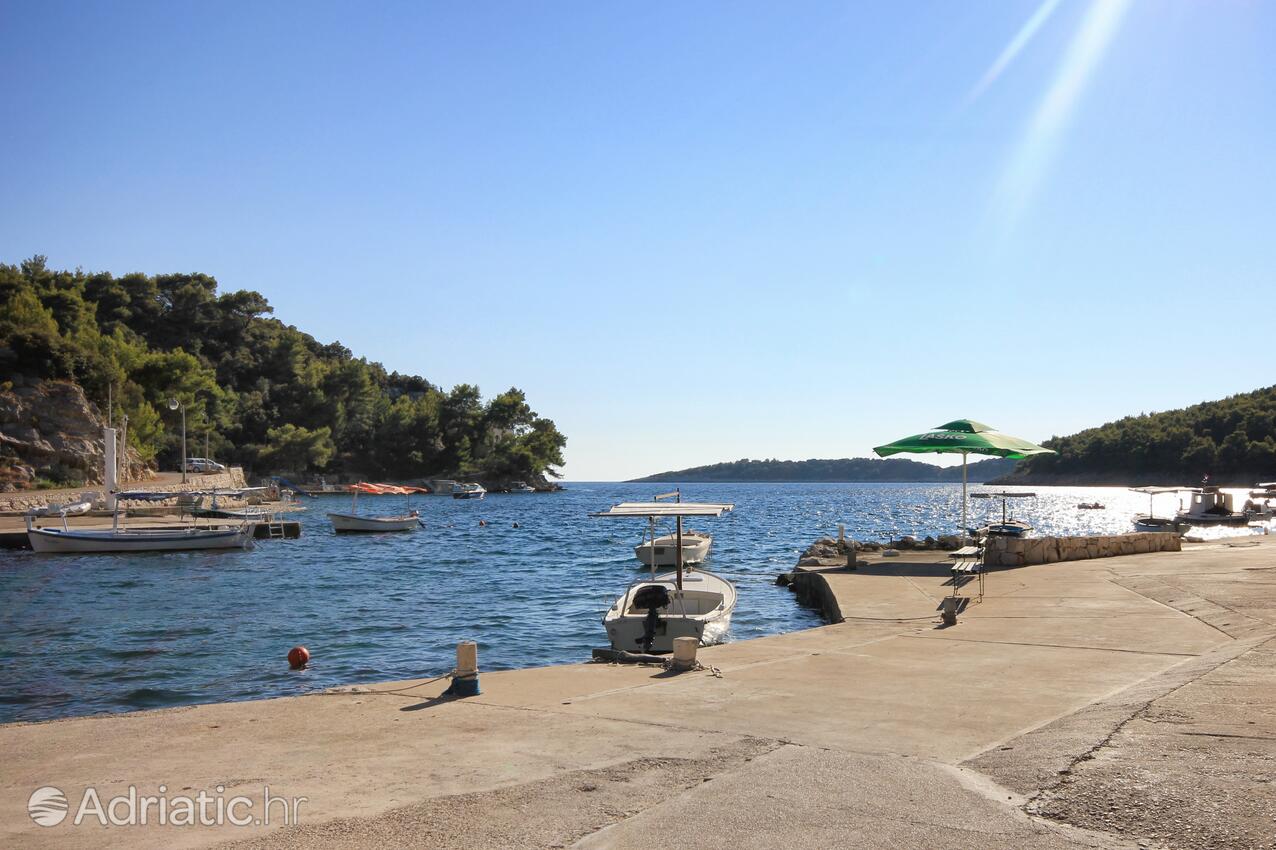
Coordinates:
<point>842,469</point>
<point>268,395</point>
<point>1232,440</point>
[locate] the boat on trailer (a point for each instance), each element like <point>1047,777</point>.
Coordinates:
<point>1009,526</point>
<point>687,602</point>
<point>354,521</point>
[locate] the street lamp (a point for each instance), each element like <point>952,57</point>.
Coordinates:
<point>174,404</point>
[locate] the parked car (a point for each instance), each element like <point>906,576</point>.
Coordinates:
<point>203,464</point>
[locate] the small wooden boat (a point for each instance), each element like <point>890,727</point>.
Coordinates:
<point>1009,526</point>
<point>63,540</point>
<point>1150,521</point>
<point>660,551</point>
<point>356,522</point>
<point>120,539</point>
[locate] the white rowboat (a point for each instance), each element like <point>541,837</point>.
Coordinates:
<point>356,522</point>
<point>695,548</point>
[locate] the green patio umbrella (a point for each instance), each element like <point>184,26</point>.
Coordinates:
<point>964,437</point>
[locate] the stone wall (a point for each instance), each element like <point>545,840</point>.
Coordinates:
<point>1020,551</point>
<point>22,501</point>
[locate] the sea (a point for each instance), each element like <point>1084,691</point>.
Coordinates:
<point>91,634</point>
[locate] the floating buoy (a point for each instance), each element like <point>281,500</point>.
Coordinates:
<point>298,657</point>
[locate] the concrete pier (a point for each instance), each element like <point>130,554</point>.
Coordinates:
<point>1089,704</point>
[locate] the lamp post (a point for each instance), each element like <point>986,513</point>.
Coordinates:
<point>174,404</point>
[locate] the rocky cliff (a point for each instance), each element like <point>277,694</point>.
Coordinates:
<point>50,432</point>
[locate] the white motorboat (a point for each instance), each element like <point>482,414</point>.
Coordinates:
<point>1208,505</point>
<point>683,603</point>
<point>701,609</point>
<point>521,487</point>
<point>357,522</point>
<point>661,551</point>
<point>1009,526</point>
<point>468,491</point>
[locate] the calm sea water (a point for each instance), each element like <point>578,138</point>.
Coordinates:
<point>103,633</point>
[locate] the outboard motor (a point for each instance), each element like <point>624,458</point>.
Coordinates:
<point>652,597</point>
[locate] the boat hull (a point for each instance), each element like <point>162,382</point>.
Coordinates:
<point>54,540</point>
<point>695,548</point>
<point>1155,524</point>
<point>348,523</point>
<point>703,612</point>
<point>1008,529</point>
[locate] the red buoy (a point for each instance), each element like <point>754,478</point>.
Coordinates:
<point>298,656</point>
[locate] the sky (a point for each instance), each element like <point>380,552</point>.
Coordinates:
<point>691,233</point>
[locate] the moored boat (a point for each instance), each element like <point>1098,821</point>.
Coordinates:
<point>1009,526</point>
<point>684,603</point>
<point>352,521</point>
<point>662,551</point>
<point>359,522</point>
<point>652,613</point>
<point>63,540</point>
<point>468,491</point>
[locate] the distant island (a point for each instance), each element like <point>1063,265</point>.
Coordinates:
<point>850,470</point>
<point>1232,440</point>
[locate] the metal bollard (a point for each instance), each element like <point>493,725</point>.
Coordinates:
<point>684,653</point>
<point>465,682</point>
<point>949,614</point>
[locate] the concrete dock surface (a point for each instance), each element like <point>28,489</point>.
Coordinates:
<point>1112,703</point>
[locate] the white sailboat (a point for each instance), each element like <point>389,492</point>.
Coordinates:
<point>682,603</point>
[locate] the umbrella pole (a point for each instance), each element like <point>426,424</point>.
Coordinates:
<point>964,531</point>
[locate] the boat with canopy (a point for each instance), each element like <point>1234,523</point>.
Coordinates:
<point>122,539</point>
<point>1009,526</point>
<point>357,522</point>
<point>659,551</point>
<point>687,602</point>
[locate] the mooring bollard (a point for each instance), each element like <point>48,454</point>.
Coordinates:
<point>949,614</point>
<point>684,652</point>
<point>465,682</point>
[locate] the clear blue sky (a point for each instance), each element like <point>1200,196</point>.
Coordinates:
<point>839,223</point>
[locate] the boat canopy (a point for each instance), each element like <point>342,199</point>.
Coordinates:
<point>671,509</point>
<point>1155,491</point>
<point>1002,495</point>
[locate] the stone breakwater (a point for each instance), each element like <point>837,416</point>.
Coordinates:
<point>1021,551</point>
